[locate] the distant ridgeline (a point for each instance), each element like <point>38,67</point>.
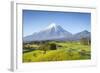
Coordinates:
<point>57,33</point>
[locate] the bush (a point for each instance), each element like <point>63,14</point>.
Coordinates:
<point>52,46</point>
<point>82,52</point>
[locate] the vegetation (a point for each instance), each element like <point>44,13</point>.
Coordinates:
<point>52,46</point>
<point>56,51</point>
<point>85,41</point>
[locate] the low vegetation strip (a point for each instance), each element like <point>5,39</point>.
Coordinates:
<point>57,51</point>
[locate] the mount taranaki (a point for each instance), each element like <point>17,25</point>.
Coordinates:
<point>56,32</point>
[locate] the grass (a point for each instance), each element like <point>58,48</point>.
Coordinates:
<point>67,51</point>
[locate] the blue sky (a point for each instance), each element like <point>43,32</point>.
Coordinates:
<point>73,22</point>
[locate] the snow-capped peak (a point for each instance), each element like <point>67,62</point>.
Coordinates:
<point>52,25</point>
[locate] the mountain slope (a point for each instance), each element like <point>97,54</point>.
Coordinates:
<point>52,32</point>
<point>56,32</point>
<point>83,34</point>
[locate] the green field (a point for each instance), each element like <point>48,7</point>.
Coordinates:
<point>58,51</point>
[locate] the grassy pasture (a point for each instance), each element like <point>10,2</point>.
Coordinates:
<point>64,51</point>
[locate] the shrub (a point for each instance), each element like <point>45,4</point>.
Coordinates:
<point>52,46</point>
<point>82,52</point>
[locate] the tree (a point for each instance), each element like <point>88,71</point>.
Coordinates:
<point>85,41</point>
<point>52,46</point>
<point>44,47</point>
